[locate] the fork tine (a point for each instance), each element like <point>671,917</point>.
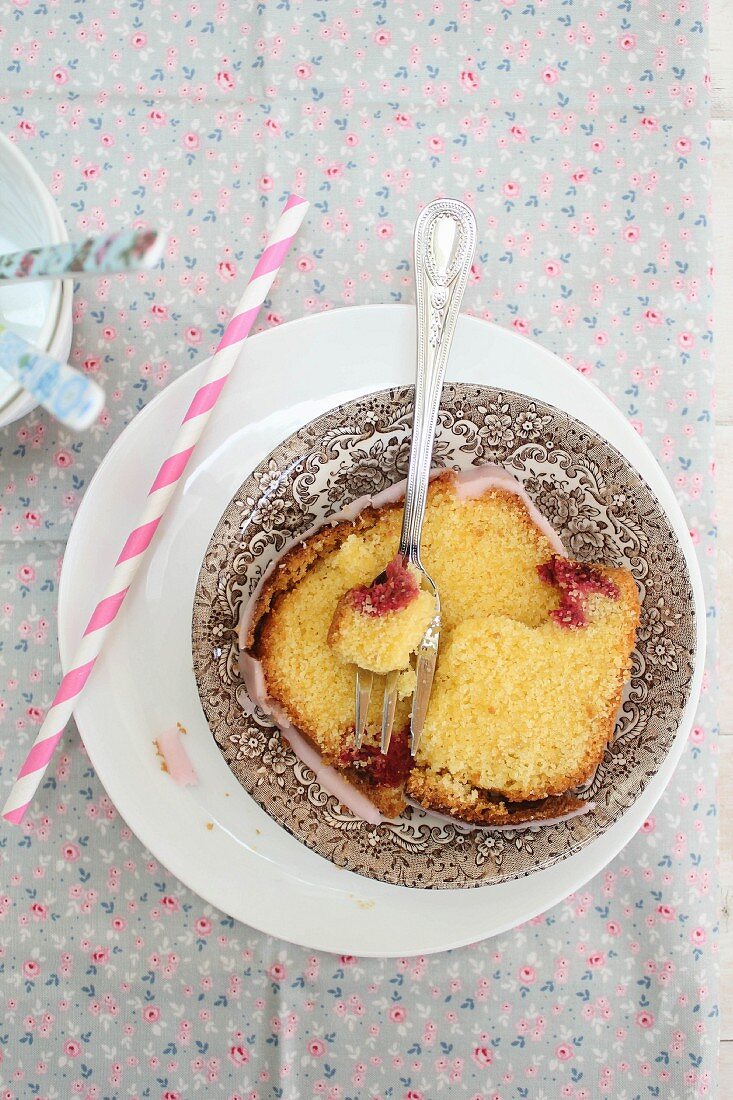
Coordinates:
<point>388,709</point>
<point>364,682</point>
<point>426,661</point>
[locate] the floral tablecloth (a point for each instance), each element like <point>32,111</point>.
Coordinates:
<point>579,134</point>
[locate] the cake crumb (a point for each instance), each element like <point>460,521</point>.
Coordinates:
<point>365,904</point>
<point>159,754</point>
<point>209,825</point>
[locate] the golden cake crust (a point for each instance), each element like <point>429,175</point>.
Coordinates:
<point>446,796</point>
<point>293,565</point>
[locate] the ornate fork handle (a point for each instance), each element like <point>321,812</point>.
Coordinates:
<point>444,245</point>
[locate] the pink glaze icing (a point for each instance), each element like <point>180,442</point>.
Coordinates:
<point>175,757</point>
<point>351,511</point>
<point>390,495</point>
<point>253,674</point>
<point>331,780</point>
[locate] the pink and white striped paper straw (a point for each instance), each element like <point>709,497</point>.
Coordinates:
<point>160,493</point>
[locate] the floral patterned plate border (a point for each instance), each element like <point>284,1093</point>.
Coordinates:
<point>601,508</point>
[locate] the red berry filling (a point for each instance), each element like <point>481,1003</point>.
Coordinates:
<point>392,594</point>
<point>576,581</point>
<point>389,770</point>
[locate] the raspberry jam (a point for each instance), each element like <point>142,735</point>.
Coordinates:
<point>394,593</point>
<point>576,581</point>
<point>390,770</point>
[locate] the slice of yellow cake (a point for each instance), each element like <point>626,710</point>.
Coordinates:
<point>482,551</point>
<point>494,566</point>
<point>524,713</point>
<point>379,626</point>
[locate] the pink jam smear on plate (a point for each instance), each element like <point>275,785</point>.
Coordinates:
<point>175,758</point>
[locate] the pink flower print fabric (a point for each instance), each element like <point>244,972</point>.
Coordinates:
<point>578,133</point>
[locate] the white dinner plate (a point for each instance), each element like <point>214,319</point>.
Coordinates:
<point>214,837</point>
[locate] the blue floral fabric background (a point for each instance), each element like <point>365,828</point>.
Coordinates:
<point>579,134</point>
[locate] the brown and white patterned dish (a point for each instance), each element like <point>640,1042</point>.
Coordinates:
<point>602,510</point>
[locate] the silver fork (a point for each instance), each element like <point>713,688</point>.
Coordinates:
<point>444,245</point>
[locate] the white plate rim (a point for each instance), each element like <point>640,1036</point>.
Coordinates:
<point>559,880</point>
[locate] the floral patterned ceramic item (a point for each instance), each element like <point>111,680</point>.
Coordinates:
<point>596,502</point>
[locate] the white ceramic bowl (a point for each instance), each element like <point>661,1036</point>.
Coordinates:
<point>40,312</point>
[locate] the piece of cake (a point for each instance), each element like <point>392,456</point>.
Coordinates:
<point>525,713</point>
<point>379,626</point>
<point>466,539</point>
<point>503,589</point>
